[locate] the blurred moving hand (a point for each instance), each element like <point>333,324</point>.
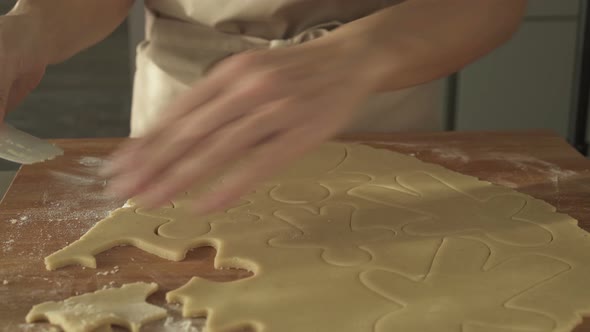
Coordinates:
<point>36,33</point>
<point>266,108</point>
<point>261,108</point>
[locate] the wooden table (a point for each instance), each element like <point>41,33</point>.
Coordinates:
<point>54,203</point>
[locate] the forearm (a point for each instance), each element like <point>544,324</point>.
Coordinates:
<point>421,40</point>
<point>65,27</point>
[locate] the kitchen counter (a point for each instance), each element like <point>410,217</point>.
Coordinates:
<point>53,203</point>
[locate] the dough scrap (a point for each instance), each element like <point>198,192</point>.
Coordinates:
<point>124,306</point>
<point>400,228</point>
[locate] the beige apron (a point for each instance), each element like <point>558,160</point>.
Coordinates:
<point>185,38</point>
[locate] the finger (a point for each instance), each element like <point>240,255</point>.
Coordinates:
<point>120,159</point>
<point>217,100</point>
<point>192,122</point>
<point>271,157</point>
<point>145,165</point>
<point>223,147</point>
<point>202,92</point>
<point>199,94</point>
<point>236,101</point>
<point>249,80</point>
<point>130,172</point>
<point>125,156</point>
<point>264,162</point>
<point>187,131</point>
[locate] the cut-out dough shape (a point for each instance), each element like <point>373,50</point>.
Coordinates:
<point>457,292</point>
<point>323,189</point>
<point>332,231</point>
<point>407,255</point>
<point>454,212</point>
<point>184,224</point>
<point>300,192</point>
<point>125,306</point>
<point>310,193</point>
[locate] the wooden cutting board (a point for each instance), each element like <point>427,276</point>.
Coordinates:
<point>52,204</point>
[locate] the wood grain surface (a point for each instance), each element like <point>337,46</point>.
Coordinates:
<point>52,204</point>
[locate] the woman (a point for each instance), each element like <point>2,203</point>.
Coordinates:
<point>259,81</point>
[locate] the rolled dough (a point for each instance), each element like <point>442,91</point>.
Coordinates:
<point>353,238</point>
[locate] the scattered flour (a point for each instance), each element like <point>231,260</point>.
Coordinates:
<point>179,325</point>
<point>91,161</point>
<point>528,163</point>
<point>20,220</point>
<point>109,285</point>
<point>77,179</point>
<point>451,154</point>
<point>7,245</point>
<point>37,328</point>
<point>175,321</point>
<point>5,282</point>
<point>105,273</point>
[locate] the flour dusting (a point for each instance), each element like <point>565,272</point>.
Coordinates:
<point>528,163</point>
<point>106,273</point>
<point>91,161</point>
<point>179,325</point>
<point>451,154</point>
<point>7,245</point>
<point>21,220</point>
<point>76,179</point>
<point>111,284</point>
<point>176,323</point>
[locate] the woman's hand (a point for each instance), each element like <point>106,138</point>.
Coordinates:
<point>22,60</point>
<point>261,108</point>
<point>37,33</point>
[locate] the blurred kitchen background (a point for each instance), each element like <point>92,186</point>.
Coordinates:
<point>532,82</point>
